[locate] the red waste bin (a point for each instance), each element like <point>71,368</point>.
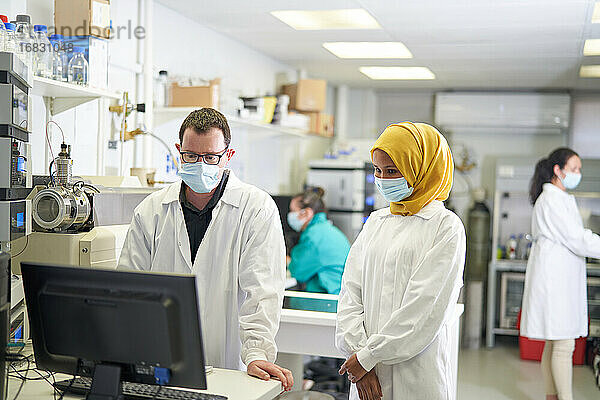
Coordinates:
<point>531,349</point>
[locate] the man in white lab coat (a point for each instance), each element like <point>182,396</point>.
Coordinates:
<point>229,235</point>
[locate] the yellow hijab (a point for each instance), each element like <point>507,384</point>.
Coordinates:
<point>423,157</point>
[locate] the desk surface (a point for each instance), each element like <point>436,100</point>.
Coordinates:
<point>236,385</point>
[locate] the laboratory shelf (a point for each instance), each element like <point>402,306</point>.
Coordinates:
<point>163,115</point>
<point>64,96</point>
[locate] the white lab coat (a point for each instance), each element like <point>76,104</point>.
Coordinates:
<point>239,267</point>
<point>555,297</point>
<point>400,287</point>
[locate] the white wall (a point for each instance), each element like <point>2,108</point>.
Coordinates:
<point>180,46</point>
<point>404,106</point>
<point>185,47</point>
<point>362,114</point>
<point>585,129</point>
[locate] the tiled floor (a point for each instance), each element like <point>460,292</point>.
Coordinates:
<point>499,374</point>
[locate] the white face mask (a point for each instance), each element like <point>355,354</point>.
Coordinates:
<point>571,180</point>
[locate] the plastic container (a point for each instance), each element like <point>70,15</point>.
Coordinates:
<point>42,52</point>
<point>57,65</point>
<point>59,49</point>
<point>10,44</point>
<point>511,248</point>
<point>532,349</point>
<point>2,36</point>
<point>78,67</point>
<point>24,39</point>
<point>161,91</point>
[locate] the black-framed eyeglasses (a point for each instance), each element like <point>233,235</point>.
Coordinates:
<point>207,158</point>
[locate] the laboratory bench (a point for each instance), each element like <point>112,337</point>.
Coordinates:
<point>235,385</point>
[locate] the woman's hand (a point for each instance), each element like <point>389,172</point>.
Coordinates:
<point>368,387</point>
<point>353,368</point>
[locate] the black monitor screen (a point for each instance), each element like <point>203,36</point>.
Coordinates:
<point>81,317</point>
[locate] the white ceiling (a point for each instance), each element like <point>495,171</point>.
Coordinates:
<point>526,44</point>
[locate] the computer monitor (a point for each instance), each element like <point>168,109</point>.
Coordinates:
<point>115,325</point>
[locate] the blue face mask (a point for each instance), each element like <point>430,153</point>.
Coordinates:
<point>200,177</point>
<point>393,190</point>
<point>571,180</point>
<point>294,221</point>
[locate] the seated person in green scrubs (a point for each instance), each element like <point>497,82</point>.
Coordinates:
<point>319,257</point>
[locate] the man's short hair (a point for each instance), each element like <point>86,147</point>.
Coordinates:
<point>202,120</point>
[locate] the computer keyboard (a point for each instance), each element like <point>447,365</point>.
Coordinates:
<point>137,391</point>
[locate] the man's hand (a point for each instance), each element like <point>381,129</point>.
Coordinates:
<point>353,368</point>
<point>265,370</point>
<point>368,387</point>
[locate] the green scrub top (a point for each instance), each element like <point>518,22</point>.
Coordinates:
<point>319,257</point>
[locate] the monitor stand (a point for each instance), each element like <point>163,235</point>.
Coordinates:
<point>106,383</point>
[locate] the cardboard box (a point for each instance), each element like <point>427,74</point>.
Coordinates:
<point>82,18</point>
<point>195,96</point>
<point>96,54</point>
<point>307,95</point>
<point>320,123</point>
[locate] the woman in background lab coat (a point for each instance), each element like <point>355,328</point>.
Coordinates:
<point>319,257</point>
<point>403,274</point>
<point>555,297</point>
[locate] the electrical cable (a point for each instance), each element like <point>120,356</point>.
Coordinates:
<point>61,130</point>
<point>67,389</point>
<point>18,374</point>
<point>164,144</point>
<point>23,379</point>
<point>50,172</point>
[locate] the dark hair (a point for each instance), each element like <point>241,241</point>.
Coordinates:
<point>312,197</point>
<point>202,120</point>
<point>544,170</point>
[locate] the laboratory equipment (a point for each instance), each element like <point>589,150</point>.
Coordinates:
<point>42,55</point>
<point>349,192</point>
<point>115,326</point>
<point>4,319</point>
<point>478,249</point>
<point>15,221</point>
<point>78,67</point>
<point>511,295</point>
<point>14,99</point>
<point>77,226</point>
<point>15,169</point>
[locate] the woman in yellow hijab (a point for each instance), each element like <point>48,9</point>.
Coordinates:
<point>403,274</point>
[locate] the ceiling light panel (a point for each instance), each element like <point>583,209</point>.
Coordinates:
<point>398,73</point>
<point>368,49</point>
<point>357,18</point>
<point>591,47</point>
<point>590,71</point>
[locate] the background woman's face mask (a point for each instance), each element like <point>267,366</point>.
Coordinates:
<point>571,180</point>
